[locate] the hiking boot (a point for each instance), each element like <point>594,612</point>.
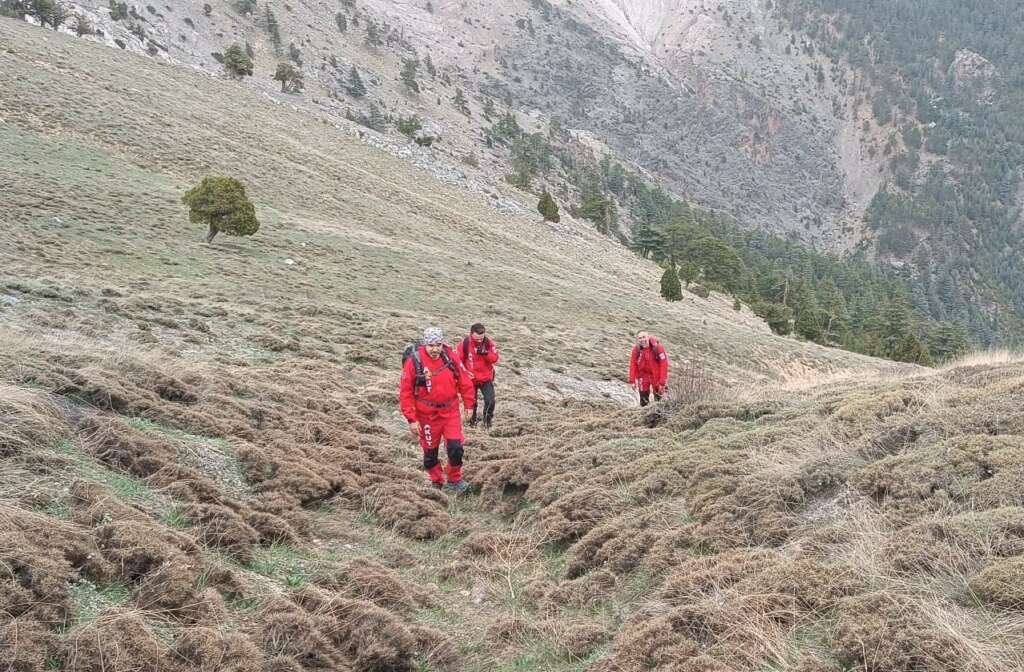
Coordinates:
<point>457,487</point>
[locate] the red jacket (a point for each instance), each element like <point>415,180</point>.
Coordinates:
<point>481,367</point>
<point>440,395</point>
<point>650,363</point>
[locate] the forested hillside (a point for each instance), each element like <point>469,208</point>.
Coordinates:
<point>944,79</point>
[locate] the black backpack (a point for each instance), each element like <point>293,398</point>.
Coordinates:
<point>655,346</point>
<point>466,344</point>
<point>413,350</point>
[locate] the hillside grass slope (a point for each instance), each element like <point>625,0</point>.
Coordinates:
<point>202,467</point>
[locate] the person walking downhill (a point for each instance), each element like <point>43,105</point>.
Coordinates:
<point>478,355</point>
<point>648,367</point>
<point>432,381</point>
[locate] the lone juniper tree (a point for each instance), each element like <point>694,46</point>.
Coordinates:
<point>221,204</point>
<point>237,62</point>
<point>547,207</point>
<point>290,78</point>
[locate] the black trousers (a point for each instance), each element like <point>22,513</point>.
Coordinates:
<point>488,390</point>
<point>645,397</point>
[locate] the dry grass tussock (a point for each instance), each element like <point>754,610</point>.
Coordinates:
<point>201,466</point>
<point>992,357</point>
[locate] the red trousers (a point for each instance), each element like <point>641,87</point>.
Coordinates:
<point>644,383</point>
<point>432,428</point>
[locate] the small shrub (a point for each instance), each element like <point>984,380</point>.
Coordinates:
<point>410,126</point>
<point>82,26</point>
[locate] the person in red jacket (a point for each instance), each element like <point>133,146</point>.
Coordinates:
<point>648,367</point>
<point>431,384</point>
<point>478,354</point>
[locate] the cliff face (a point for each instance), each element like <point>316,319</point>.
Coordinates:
<point>720,99</point>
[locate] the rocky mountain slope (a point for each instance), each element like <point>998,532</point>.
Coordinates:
<point>709,97</point>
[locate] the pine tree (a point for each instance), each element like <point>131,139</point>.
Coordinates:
<point>600,209</point>
<point>947,341</point>
<point>48,12</point>
<point>342,22</point>
<point>718,261</point>
<point>355,87</point>
<point>778,316</point>
<point>488,108</point>
<point>690,272</point>
<point>372,34</point>
<point>461,104</point>
<point>237,61</point>
<point>675,238</point>
<point>428,63</point>
<point>377,121</point>
<point>409,67</point>
<point>646,239</point>
<point>272,29</point>
<point>290,78</point>
<point>671,290</point>
<point>547,207</point>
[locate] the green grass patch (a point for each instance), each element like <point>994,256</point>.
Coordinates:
<point>129,488</point>
<point>543,656</point>
<point>91,599</point>
<point>554,560</point>
<point>124,486</point>
<point>242,605</point>
<point>176,518</point>
<point>58,508</point>
<point>291,566</point>
<point>639,584</point>
<point>436,616</point>
<point>64,446</point>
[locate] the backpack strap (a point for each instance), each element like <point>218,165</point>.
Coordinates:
<point>450,363</point>
<point>421,375</point>
<point>417,364</point>
<point>655,347</point>
<point>465,348</point>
